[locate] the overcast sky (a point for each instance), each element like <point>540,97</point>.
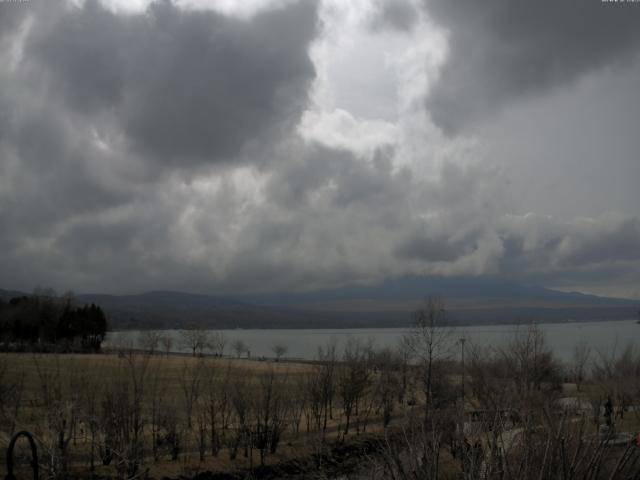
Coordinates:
<point>238,146</point>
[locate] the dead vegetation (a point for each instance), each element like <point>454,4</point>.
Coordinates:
<point>422,413</point>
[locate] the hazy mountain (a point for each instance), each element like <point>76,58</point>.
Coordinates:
<point>459,292</point>
<point>390,303</point>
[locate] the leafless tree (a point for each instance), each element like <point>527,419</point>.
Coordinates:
<point>242,406</point>
<point>166,341</point>
<point>270,411</point>
<point>121,342</point>
<point>279,350</point>
<point>403,354</point>
<point>414,452</point>
<point>517,431</point>
<point>149,340</point>
<point>353,378</point>
<point>328,359</point>
<point>617,374</point>
<point>60,414</point>
<point>579,360</point>
<point>430,341</point>
<point>11,394</point>
<point>239,347</point>
<point>169,431</point>
<point>315,398</point>
<point>216,345</point>
<point>90,391</point>
<point>530,360</point>
<point>202,423</point>
<point>191,383</point>
<point>489,379</point>
<point>298,394</point>
<point>387,384</point>
<point>195,339</point>
<point>123,416</point>
<point>217,402</point>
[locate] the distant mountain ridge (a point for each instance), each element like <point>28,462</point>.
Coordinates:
<point>453,289</point>
<point>387,304</point>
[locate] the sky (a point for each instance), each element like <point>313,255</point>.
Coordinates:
<point>270,145</point>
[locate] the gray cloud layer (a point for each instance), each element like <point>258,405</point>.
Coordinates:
<point>159,150</point>
<point>398,14</point>
<point>501,51</point>
<point>182,86</point>
<point>100,109</point>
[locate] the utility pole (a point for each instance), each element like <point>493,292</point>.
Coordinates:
<point>462,340</point>
<point>462,409</point>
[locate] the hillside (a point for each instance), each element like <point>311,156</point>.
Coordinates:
<point>388,304</point>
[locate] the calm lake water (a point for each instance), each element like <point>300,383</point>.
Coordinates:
<point>561,337</point>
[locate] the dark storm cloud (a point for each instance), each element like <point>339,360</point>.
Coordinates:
<point>107,118</point>
<point>184,86</point>
<point>97,100</point>
<point>160,150</point>
<point>543,245</point>
<point>504,50</point>
<point>613,240</point>
<point>47,167</point>
<point>345,180</point>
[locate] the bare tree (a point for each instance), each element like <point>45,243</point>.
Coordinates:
<point>11,394</point>
<point>579,360</point>
<point>191,379</point>
<point>167,342</point>
<point>327,356</point>
<point>315,398</point>
<point>90,391</point>
<point>299,400</point>
<point>217,342</point>
<point>242,407</point>
<point>270,409</point>
<point>170,433</point>
<point>617,374</point>
<point>217,400</point>
<point>61,414</point>
<point>430,341</point>
<point>387,384</point>
<point>149,341</point>
<point>518,430</point>
<point>121,342</point>
<point>239,347</point>
<point>353,378</point>
<point>279,350</point>
<point>403,355</point>
<point>195,339</point>
<point>530,362</point>
<point>413,453</point>
<point>155,400</point>
<point>123,416</point>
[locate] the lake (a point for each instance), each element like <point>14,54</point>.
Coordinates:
<point>303,344</point>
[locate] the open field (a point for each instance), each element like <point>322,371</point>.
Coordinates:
<point>31,368</point>
<point>131,414</point>
<point>177,402</point>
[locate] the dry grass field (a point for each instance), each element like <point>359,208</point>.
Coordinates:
<point>105,368</point>
<point>129,414</point>
<point>66,396</point>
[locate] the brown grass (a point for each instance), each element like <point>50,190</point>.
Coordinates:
<point>72,372</point>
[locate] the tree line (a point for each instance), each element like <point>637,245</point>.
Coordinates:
<point>44,321</point>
